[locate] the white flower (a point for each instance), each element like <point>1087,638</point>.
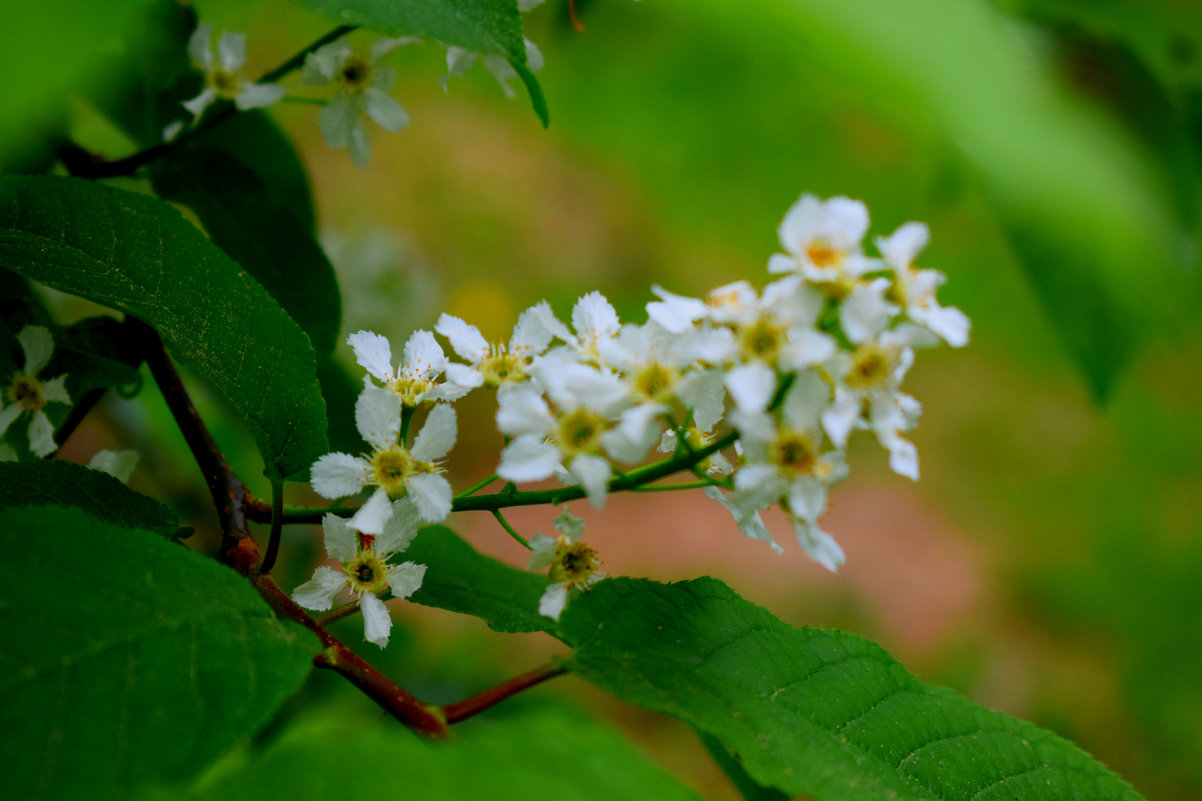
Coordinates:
<point>595,321</point>
<point>118,464</point>
<point>362,90</point>
<point>494,364</point>
<point>223,74</point>
<point>364,572</point>
<point>571,563</point>
<point>415,380</point>
<point>748,520</point>
<point>588,403</point>
<point>823,239</point>
<point>914,289</point>
<point>26,392</point>
<point>460,60</point>
<point>394,470</point>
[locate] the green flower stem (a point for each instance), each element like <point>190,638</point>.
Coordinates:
<point>83,164</point>
<point>472,490</point>
<point>510,529</point>
<point>688,485</point>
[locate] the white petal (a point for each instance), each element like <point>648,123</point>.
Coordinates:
<point>807,498</point>
<point>780,263</point>
<point>38,345</point>
<point>371,516</point>
<point>903,456</point>
<point>7,415</point>
<point>318,592</point>
<point>342,542</point>
<point>593,317</point>
<point>809,396</point>
<point>528,458</point>
<point>702,391</point>
<point>405,579</point>
<point>902,247</point>
<point>750,524</point>
<point>542,552</point>
<point>231,50</point>
<point>172,129</point>
<point>551,322</point>
<point>865,312</point>
<point>751,386</point>
<point>593,474</point>
<point>466,340</point>
<point>818,545</point>
<point>373,353</point>
<point>378,416</point>
<point>530,336</point>
<point>534,56</point>
<point>502,71</point>
<point>382,47</point>
<point>808,347</point>
<point>757,486</point>
<point>384,110</point>
<point>338,120</point>
<point>377,623</point>
<point>841,418</point>
<point>675,313</point>
<point>337,475</point>
<point>521,410</point>
<point>200,46</point>
<point>399,529</point>
<point>41,434</point>
<point>431,495</point>
<point>459,61</point>
<point>56,389</point>
<point>423,357</point>
<point>461,380</point>
<point>258,95</point>
<point>118,464</point>
<point>553,600</point>
<point>437,436</point>
<point>846,222</point>
<point>800,224</point>
<point>197,105</point>
<point>949,324</point>
<point>360,145</point>
<point>569,525</point>
<point>637,430</point>
<point>322,64</point>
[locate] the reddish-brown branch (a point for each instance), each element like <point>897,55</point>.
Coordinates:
<point>494,695</point>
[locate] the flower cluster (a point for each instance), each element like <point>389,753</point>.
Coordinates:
<point>778,378</point>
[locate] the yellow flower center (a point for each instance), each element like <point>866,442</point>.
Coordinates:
<point>355,73</point>
<point>575,564</point>
<point>410,389</point>
<point>26,392</point>
<point>763,339</point>
<point>822,254</point>
<point>870,367</point>
<point>654,381</point>
<point>795,452</point>
<point>366,573</point>
<point>225,84</point>
<point>390,469</point>
<point>580,431</point>
<point>500,366</point>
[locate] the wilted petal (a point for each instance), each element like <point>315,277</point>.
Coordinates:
<point>437,436</point>
<point>553,601</point>
<point>337,475</point>
<point>371,516</point>
<point>342,542</point>
<point>593,474</point>
<point>318,592</point>
<point>38,345</point>
<point>405,579</point>
<point>377,623</point>
<point>378,416</point>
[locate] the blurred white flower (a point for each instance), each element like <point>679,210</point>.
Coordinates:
<point>570,564</point>
<point>26,392</point>
<point>223,75</point>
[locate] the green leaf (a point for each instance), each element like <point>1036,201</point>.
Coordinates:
<point>488,27</point>
<point>260,232</point>
<point>542,753</point>
<point>813,711</point>
<point>127,659</point>
<point>138,255</point>
<point>461,579</point>
<point>93,491</point>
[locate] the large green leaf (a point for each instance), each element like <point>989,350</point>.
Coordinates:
<point>96,492</point>
<point>137,254</point>
<point>127,659</point>
<point>539,753</point>
<point>489,27</point>
<point>461,579</point>
<point>814,711</point>
<point>260,232</point>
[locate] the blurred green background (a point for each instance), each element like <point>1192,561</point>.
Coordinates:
<point>1049,563</point>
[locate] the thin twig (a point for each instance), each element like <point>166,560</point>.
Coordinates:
<point>277,524</point>
<point>510,529</point>
<point>494,695</point>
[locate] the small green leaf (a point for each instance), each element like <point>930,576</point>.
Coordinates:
<point>138,255</point>
<point>542,753</point>
<point>488,27</point>
<point>461,579</point>
<point>127,659</point>
<point>813,711</point>
<point>258,231</point>
<point>95,492</point>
